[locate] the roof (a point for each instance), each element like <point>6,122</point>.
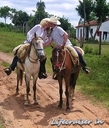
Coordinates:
<point>91,23</point>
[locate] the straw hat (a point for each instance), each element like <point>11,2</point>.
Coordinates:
<point>54,20</point>
<point>44,21</point>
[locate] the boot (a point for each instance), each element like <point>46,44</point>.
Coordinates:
<point>12,66</point>
<point>8,71</point>
<point>54,76</point>
<point>42,72</point>
<point>42,75</point>
<point>86,70</point>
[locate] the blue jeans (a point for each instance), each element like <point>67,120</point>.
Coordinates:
<point>81,59</point>
<point>14,63</point>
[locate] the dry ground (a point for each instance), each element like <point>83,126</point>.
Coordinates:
<point>16,115</point>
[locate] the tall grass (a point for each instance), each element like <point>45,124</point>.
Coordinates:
<point>95,85</point>
<point>8,40</point>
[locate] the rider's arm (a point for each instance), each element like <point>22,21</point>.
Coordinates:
<point>47,43</point>
<point>65,36</point>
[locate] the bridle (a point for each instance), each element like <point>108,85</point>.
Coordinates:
<point>59,65</point>
<point>35,60</point>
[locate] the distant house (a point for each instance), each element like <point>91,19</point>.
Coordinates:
<point>104,30</point>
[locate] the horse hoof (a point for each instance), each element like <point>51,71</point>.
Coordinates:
<point>59,106</point>
<point>26,103</point>
<point>17,93</point>
<point>36,103</point>
<point>73,98</point>
<point>68,109</point>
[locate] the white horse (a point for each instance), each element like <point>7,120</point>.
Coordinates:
<point>31,66</point>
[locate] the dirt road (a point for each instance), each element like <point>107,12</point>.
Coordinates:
<point>83,114</point>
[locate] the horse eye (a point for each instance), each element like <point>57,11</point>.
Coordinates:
<point>36,43</point>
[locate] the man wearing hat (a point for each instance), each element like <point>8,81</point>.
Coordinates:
<point>60,37</point>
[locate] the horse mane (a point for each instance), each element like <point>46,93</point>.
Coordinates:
<point>29,49</point>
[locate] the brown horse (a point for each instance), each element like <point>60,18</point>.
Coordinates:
<point>65,69</point>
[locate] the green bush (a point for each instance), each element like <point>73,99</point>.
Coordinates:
<point>87,49</point>
<point>2,25</point>
<point>73,41</point>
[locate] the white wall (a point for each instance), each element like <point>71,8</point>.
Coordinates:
<point>104,28</point>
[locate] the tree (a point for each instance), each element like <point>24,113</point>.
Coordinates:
<point>19,18</point>
<point>85,6</point>
<point>5,12</point>
<point>65,23</point>
<point>13,11</point>
<point>40,10</point>
<point>101,9</point>
<point>39,14</point>
<point>84,10</point>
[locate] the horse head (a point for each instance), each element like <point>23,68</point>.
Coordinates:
<point>38,46</point>
<point>58,58</point>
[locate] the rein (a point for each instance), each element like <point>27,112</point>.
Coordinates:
<point>34,60</point>
<point>62,65</point>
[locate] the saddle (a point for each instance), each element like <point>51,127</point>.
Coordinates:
<point>21,51</point>
<point>73,54</point>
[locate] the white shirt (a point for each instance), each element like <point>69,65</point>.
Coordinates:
<point>57,36</point>
<point>38,29</point>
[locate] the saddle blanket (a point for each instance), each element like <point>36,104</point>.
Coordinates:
<point>21,50</point>
<point>80,50</point>
<point>74,54</point>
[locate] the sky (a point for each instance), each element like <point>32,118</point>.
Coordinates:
<point>60,8</point>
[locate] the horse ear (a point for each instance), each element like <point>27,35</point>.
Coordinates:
<point>36,36</point>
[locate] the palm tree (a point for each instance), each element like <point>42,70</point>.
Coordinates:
<point>40,8</point>
<point>40,5</point>
<point>5,12</point>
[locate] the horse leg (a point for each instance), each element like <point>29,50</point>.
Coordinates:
<point>60,92</point>
<point>67,83</point>
<point>67,98</point>
<point>73,79</point>
<point>34,91</point>
<point>17,87</point>
<point>18,80</point>
<point>27,80</point>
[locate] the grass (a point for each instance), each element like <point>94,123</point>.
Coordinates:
<point>94,85</point>
<point>1,121</point>
<point>8,40</point>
